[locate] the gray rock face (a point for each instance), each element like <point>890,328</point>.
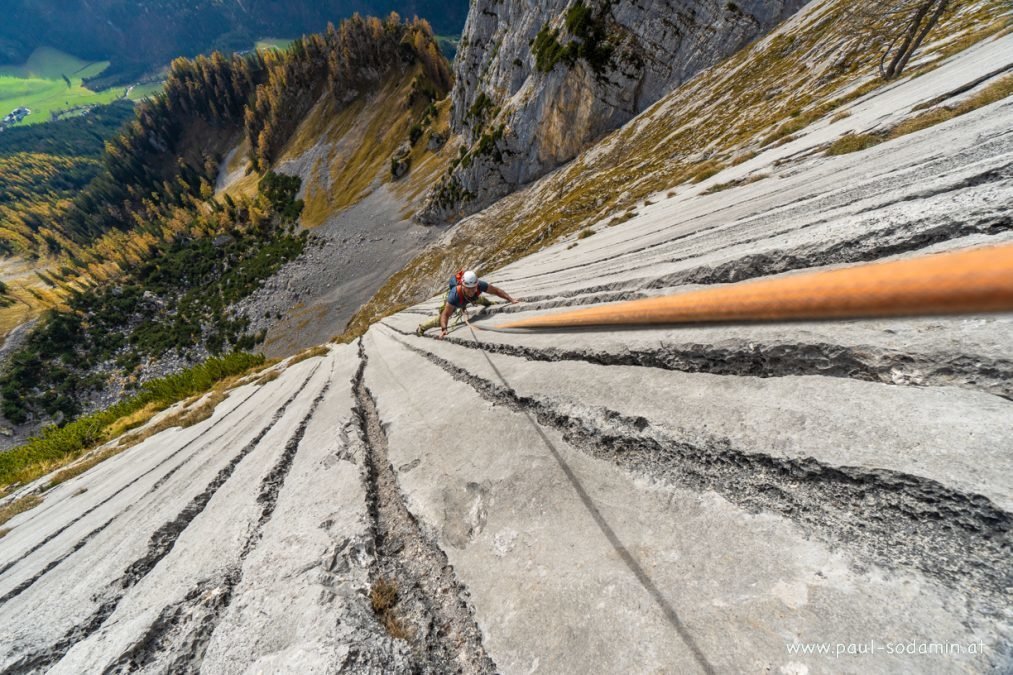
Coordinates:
<point>536,83</point>
<point>436,141</point>
<point>399,162</point>
<point>719,498</point>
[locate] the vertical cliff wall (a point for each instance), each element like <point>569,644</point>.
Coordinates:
<point>538,82</point>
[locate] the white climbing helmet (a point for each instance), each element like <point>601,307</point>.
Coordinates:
<point>470,279</point>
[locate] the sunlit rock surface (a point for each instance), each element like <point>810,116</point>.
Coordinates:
<point>703,499</point>
<point>546,116</point>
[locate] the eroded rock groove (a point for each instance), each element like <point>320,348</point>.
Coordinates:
<point>868,247</point>
<point>886,517</point>
<point>160,544</point>
<point>183,631</point>
<point>431,604</point>
<point>81,543</point>
<point>755,359</point>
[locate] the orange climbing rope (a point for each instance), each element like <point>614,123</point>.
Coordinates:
<point>962,282</point>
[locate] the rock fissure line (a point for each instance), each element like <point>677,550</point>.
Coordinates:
<point>823,203</point>
<point>105,501</point>
<point>169,474</point>
<point>431,606</point>
<point>161,543</point>
<point>596,297</point>
<point>890,518</point>
<point>870,247</point>
<point>756,359</point>
<point>28,583</point>
<point>184,629</point>
<point>993,175</point>
<point>866,248</point>
<point>165,537</point>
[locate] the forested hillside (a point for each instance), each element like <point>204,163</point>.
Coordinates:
<point>42,167</point>
<point>149,259</point>
<point>139,35</point>
<point>171,151</point>
<point>347,60</point>
<point>174,302</point>
<point>155,162</point>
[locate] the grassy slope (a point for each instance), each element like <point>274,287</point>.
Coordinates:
<point>60,454</point>
<point>56,446</point>
<point>353,147</point>
<point>801,73</point>
<point>31,295</point>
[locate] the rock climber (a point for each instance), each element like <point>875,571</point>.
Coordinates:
<point>465,288</point>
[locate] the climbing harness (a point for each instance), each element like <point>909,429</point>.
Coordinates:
<point>961,282</point>
<point>460,316</point>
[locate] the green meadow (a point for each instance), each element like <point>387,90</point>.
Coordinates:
<point>40,85</point>
<point>448,45</point>
<point>272,43</point>
<point>51,64</point>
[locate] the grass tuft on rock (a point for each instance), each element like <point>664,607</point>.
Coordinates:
<point>854,143</point>
<point>996,91</point>
<point>705,170</point>
<point>383,598</point>
<point>21,505</point>
<point>270,376</point>
<point>311,353</point>
<point>720,187</point>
